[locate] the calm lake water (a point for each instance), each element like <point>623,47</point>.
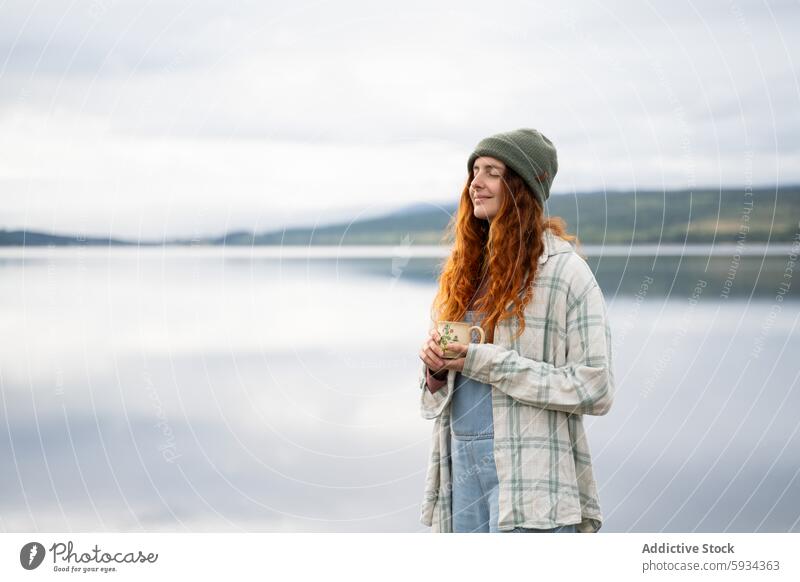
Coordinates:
<point>195,390</point>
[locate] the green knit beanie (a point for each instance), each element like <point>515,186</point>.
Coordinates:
<point>529,153</point>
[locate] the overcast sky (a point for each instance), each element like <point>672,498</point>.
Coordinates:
<point>174,118</point>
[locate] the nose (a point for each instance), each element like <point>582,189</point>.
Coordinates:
<point>477,183</point>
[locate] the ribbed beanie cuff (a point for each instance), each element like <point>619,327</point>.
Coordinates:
<point>529,153</point>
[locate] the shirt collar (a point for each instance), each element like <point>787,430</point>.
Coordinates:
<point>553,245</point>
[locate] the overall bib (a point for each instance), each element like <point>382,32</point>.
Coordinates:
<point>475,483</point>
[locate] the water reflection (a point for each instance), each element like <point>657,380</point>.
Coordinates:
<point>179,392</point>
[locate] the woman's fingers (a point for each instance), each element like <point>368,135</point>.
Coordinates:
<point>425,356</point>
<point>457,348</point>
<point>433,360</point>
<point>435,347</point>
<point>432,353</point>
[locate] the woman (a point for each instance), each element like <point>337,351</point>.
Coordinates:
<point>509,452</point>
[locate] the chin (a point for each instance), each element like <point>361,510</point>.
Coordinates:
<point>482,214</point>
<point>479,212</point>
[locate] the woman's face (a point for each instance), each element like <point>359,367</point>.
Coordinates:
<point>486,189</point>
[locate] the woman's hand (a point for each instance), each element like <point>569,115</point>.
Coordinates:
<point>431,353</point>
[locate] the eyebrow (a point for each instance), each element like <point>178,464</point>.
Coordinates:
<point>476,166</point>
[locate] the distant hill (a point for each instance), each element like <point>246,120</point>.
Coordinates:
<point>596,217</point>
<point>32,238</point>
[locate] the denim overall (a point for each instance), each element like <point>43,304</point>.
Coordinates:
<point>475,484</point>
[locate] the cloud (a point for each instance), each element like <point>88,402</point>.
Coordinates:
<point>139,114</point>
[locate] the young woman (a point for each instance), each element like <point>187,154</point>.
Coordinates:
<point>509,452</point>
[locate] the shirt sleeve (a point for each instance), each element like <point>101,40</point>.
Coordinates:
<point>585,385</point>
<point>432,403</point>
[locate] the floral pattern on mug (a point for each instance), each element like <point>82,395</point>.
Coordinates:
<point>448,336</point>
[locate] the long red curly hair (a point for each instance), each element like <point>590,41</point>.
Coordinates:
<point>506,251</point>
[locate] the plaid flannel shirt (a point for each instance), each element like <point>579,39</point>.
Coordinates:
<point>542,384</point>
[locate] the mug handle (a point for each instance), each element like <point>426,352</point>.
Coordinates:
<point>480,331</point>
